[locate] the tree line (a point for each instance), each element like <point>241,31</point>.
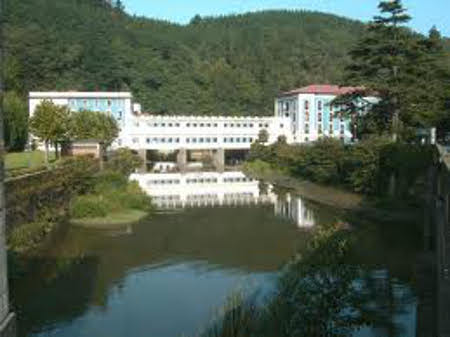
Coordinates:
<point>56,125</point>
<point>231,65</point>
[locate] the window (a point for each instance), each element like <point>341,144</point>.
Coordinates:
<point>342,129</point>
<point>225,139</point>
<point>194,140</point>
<point>208,125</point>
<point>306,105</point>
<point>163,140</point>
<point>225,125</point>
<point>306,128</point>
<point>201,140</point>
<point>286,106</point>
<point>266,125</point>
<point>320,129</point>
<point>194,125</point>
<point>135,140</point>
<point>177,140</point>
<point>119,115</point>
<point>281,126</point>
<point>250,125</point>
<point>188,125</point>
<point>238,140</point>
<point>202,125</point>
<point>208,140</point>
<point>214,140</point>
<point>148,140</point>
<point>188,140</point>
<point>215,125</point>
<point>163,125</point>
<point>177,125</point>
<point>260,125</point>
<point>169,140</point>
<point>155,140</point>
<point>244,125</point>
<point>331,116</point>
<point>306,139</point>
<point>319,116</point>
<point>250,140</point>
<point>238,125</point>
<point>319,105</point>
<point>231,125</point>
<point>109,102</point>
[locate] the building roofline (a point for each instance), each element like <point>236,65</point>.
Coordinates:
<point>79,94</point>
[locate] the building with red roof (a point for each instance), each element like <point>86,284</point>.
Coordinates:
<point>313,114</point>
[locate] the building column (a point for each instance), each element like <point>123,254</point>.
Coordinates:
<point>219,159</point>
<point>182,159</point>
<point>143,154</point>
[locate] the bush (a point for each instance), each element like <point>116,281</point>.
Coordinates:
<point>90,206</point>
<point>125,161</point>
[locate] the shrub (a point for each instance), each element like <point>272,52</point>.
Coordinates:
<point>87,206</point>
<point>125,161</point>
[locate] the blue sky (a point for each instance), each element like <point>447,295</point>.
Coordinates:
<point>425,12</point>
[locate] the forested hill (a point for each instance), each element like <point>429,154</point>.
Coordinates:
<point>230,65</point>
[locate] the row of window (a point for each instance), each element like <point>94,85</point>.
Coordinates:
<point>238,140</point>
<point>198,181</point>
<point>237,179</point>
<point>203,125</point>
<point>193,140</point>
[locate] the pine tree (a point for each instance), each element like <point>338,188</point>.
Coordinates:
<point>395,63</point>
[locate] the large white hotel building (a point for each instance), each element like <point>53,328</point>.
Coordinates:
<point>301,115</point>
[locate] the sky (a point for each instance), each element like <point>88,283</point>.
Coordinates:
<point>425,13</point>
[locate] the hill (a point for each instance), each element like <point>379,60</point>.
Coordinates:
<point>230,65</point>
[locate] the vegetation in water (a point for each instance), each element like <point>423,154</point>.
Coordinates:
<point>316,295</point>
<point>111,197</point>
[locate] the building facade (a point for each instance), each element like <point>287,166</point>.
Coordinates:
<point>312,114</point>
<point>301,115</point>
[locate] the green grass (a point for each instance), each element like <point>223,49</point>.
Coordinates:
<point>26,160</point>
<point>112,220</point>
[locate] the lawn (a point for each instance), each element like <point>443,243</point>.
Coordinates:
<point>23,160</point>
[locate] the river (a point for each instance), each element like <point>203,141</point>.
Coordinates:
<point>213,234</point>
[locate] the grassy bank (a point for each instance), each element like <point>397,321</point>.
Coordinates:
<point>111,201</point>
<point>26,160</point>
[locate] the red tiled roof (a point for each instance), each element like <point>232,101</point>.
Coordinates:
<point>324,89</point>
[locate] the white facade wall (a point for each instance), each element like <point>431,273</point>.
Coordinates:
<point>166,133</point>
<point>192,132</point>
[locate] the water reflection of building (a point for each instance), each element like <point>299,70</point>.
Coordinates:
<point>295,208</point>
<point>200,189</point>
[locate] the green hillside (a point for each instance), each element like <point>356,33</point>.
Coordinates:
<point>230,65</point>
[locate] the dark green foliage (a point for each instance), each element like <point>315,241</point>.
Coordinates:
<point>15,121</point>
<point>406,70</point>
<point>110,192</point>
<point>124,161</point>
<point>365,167</point>
<point>229,65</point>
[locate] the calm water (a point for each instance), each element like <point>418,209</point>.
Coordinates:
<point>213,235</point>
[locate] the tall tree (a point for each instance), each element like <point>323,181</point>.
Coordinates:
<point>15,121</point>
<point>395,63</point>
<point>50,123</point>
<point>94,125</point>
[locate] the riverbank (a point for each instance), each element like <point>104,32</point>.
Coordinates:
<point>112,201</point>
<point>385,210</point>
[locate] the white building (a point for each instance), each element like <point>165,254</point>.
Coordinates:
<point>301,115</point>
